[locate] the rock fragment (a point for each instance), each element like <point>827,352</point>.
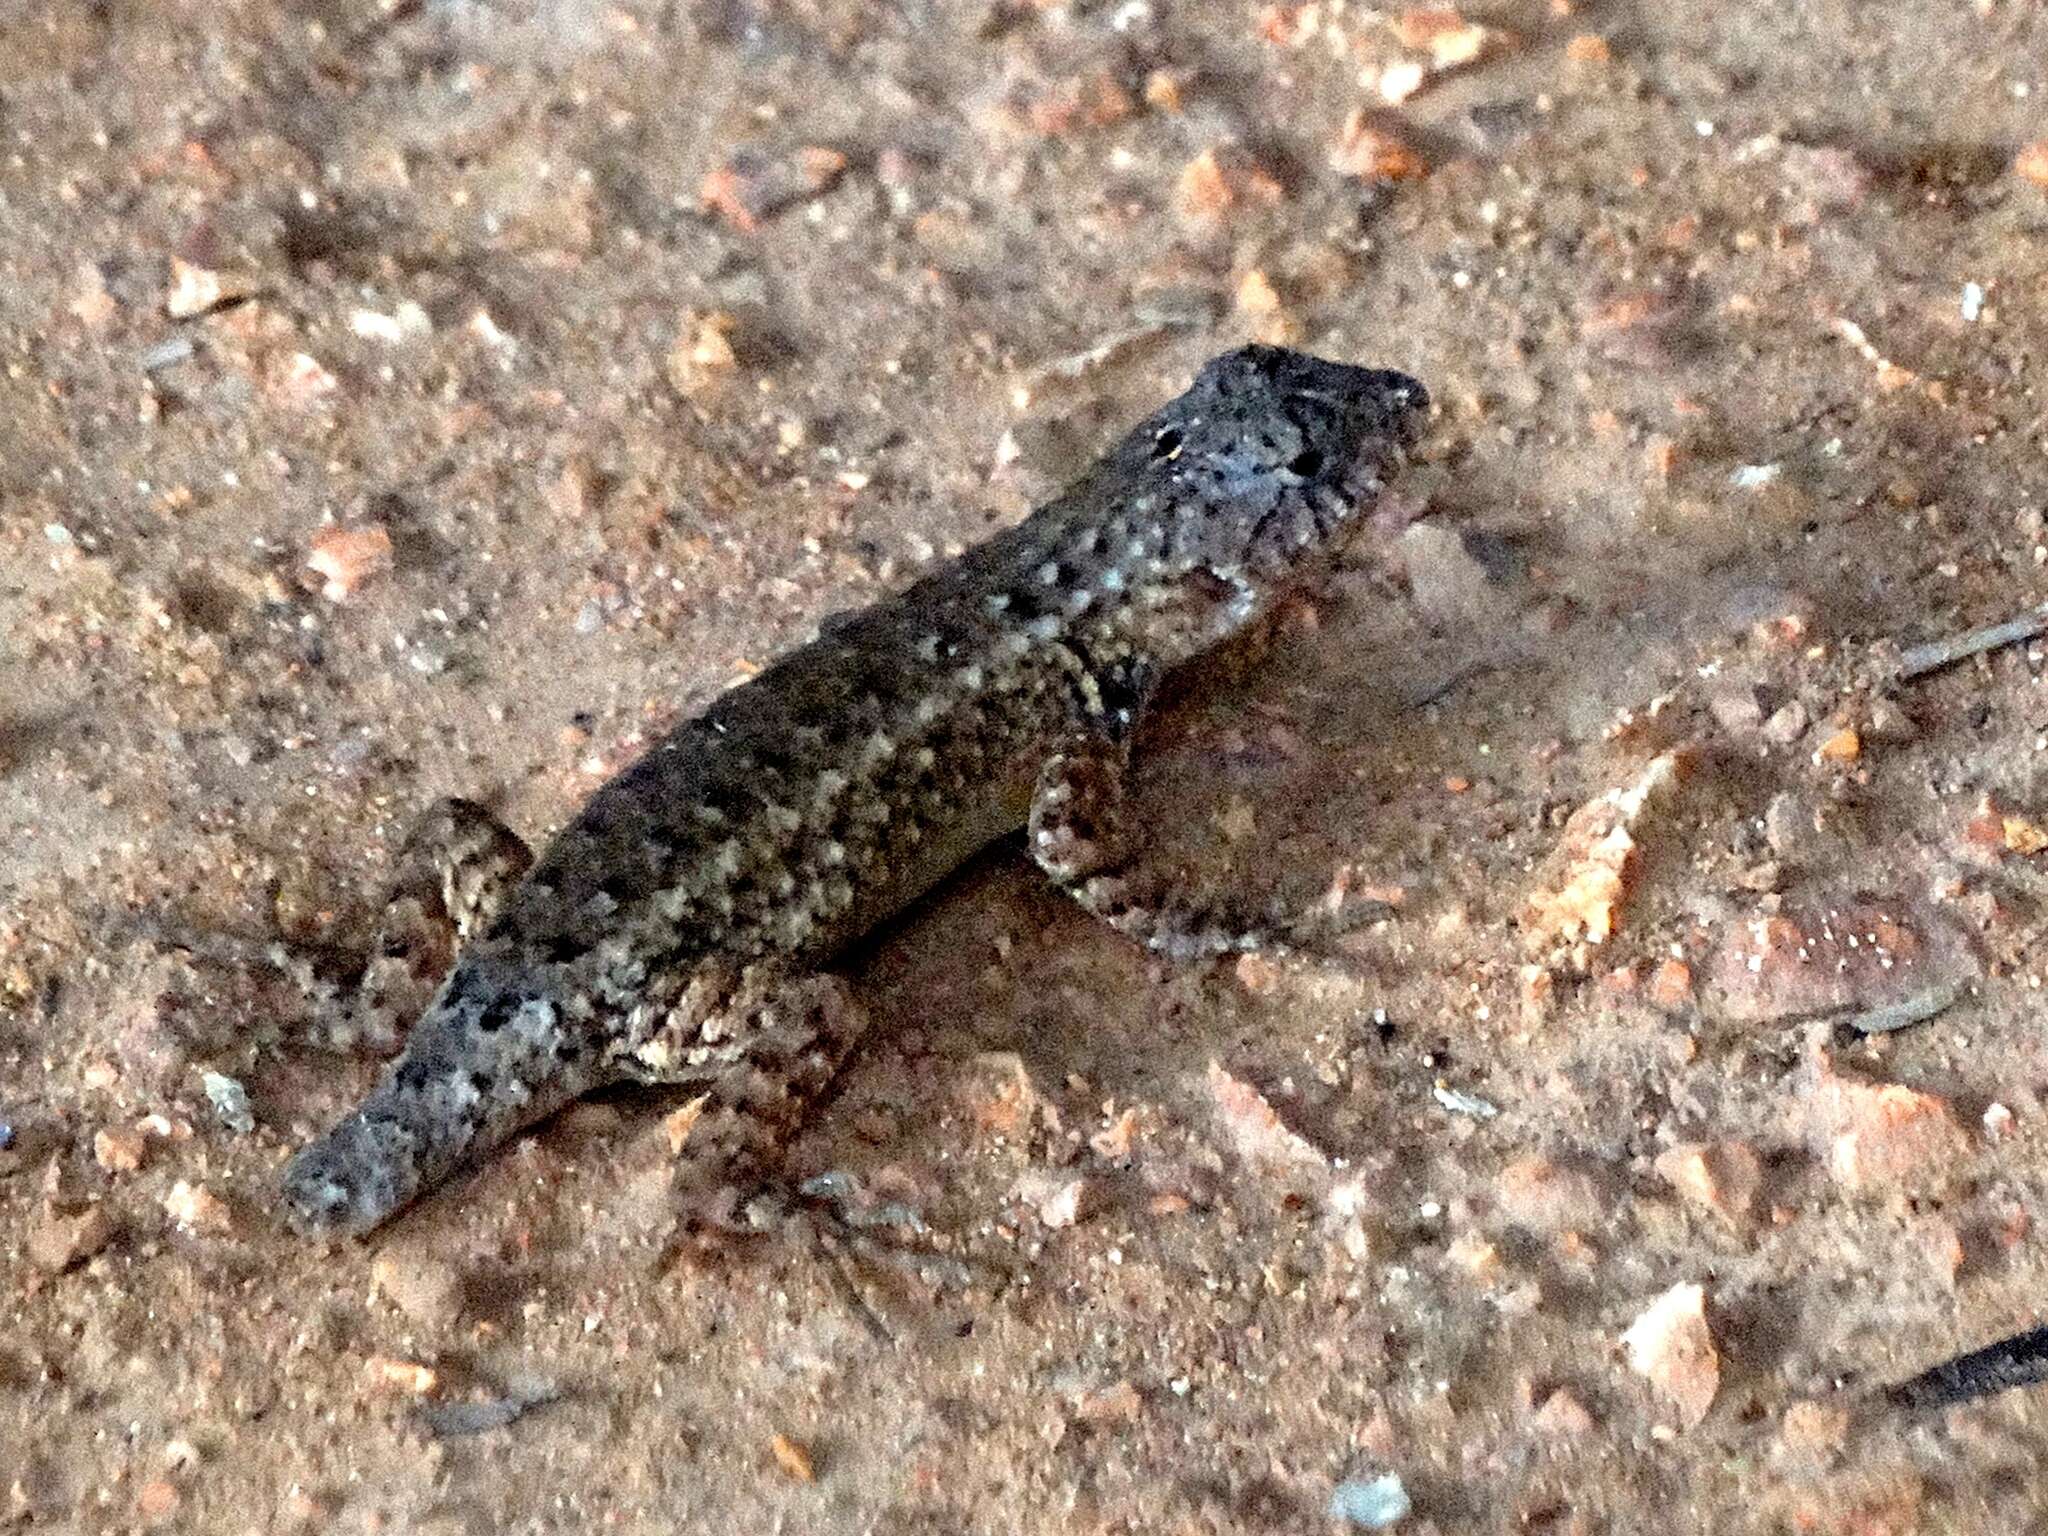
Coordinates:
<point>120,1149</point>
<point>1257,1131</point>
<point>2031,163</point>
<point>345,558</point>
<point>1367,151</point>
<point>794,1457</point>
<point>1723,1177</point>
<point>1671,1346</point>
<point>1371,1504</point>
<point>1223,182</point>
<point>1563,1417</point>
<point>198,1209</point>
<point>59,1240</point>
<point>1585,881</point>
<point>1881,1136</point>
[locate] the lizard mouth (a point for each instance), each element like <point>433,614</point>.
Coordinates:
<point>1391,416</point>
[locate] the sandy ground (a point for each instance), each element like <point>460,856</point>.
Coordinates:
<point>441,397</point>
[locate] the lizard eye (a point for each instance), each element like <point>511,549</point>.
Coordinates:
<point>1166,445</point>
<point>1305,463</point>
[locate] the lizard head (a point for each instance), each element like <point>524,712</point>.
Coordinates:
<point>1273,456</point>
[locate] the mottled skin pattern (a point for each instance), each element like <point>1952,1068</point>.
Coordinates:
<point>674,931</point>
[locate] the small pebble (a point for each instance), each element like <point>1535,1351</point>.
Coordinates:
<point>2031,163</point>
<point>119,1151</point>
<point>1372,1505</point>
<point>1476,1256</point>
<point>1224,181</point>
<point>196,290</point>
<point>1724,1177</point>
<point>388,1374</point>
<point>1845,746</point>
<point>1671,1344</point>
<point>1059,1200</point>
<point>1447,37</point>
<point>1366,152</point>
<point>1788,822</point>
<point>1736,710</point>
<point>1813,1432</point>
<point>428,657</point>
<point>1787,724</point>
<point>1671,984</point>
<point>198,1209</point>
<point>303,380</point>
<point>345,558</point>
<point>1400,80</point>
<point>230,1100</point>
<point>1459,1103</point>
<point>678,1126</point>
<point>1119,1404</point>
<point>794,1458</point>
<point>158,1501</point>
<point>446,1419</point>
<point>1882,1137</point>
<point>1889,723</point>
<point>408,320</point>
<point>1563,1417</point>
<point>166,354</point>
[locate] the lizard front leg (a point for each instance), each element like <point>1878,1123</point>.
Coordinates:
<point>760,1045</point>
<point>1078,834</point>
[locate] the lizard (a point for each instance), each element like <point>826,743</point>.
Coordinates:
<point>680,929</point>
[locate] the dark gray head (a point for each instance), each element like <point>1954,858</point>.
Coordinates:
<point>1274,454</point>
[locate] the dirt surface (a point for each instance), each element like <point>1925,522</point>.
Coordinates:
<point>441,397</point>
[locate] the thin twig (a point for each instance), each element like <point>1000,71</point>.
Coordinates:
<point>1919,660</point>
<point>840,1272</point>
<point>1905,1013</point>
<point>2020,1361</point>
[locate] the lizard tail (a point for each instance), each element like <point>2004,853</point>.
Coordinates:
<point>476,1069</point>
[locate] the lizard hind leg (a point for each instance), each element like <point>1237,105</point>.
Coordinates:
<point>760,1048</point>
<point>763,1057</point>
<point>451,877</point>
